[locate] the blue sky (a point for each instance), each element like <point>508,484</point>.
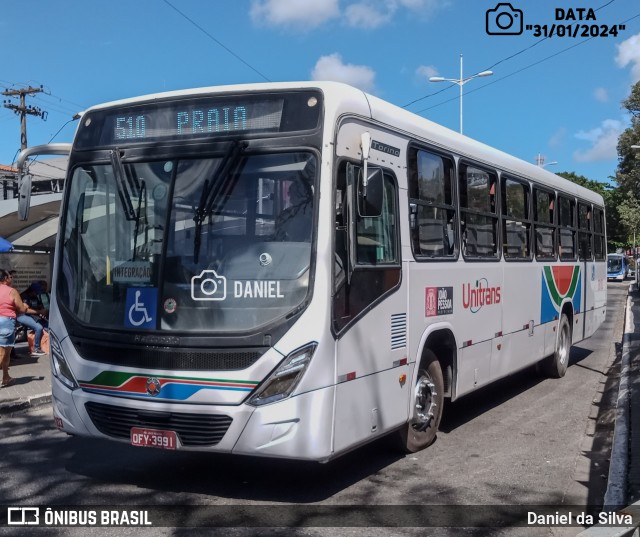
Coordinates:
<point>559,97</point>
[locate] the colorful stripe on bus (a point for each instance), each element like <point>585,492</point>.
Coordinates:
<point>161,387</point>
<point>558,284</point>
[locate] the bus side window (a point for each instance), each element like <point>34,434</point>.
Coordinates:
<point>544,225</point>
<point>377,269</point>
<point>376,237</point>
<point>431,209</point>
<point>585,237</point>
<point>479,219</point>
<point>516,227</point>
<point>598,235</point>
<point>566,228</point>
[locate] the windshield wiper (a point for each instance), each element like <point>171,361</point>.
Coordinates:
<point>143,192</point>
<point>125,191</point>
<point>211,190</point>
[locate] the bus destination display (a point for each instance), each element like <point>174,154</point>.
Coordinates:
<point>194,120</point>
<point>198,118</point>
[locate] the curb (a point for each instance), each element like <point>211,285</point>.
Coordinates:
<point>616,494</point>
<point>24,404</point>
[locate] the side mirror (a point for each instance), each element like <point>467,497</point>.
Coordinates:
<point>24,196</point>
<point>371,193</point>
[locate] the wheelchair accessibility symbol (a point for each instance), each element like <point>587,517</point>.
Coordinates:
<point>140,308</point>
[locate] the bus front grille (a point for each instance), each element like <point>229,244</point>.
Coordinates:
<point>192,429</point>
<point>156,357</point>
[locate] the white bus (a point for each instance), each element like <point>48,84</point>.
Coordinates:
<point>293,270</point>
<point>617,267</point>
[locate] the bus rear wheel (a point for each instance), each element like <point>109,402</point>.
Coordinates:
<point>555,366</point>
<point>427,398</point>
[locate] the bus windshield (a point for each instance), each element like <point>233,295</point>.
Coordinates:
<point>614,264</point>
<point>220,245</point>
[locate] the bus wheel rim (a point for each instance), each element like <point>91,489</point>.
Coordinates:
<point>425,400</point>
<point>562,345</point>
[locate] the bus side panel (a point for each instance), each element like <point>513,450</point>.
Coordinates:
<point>478,323</point>
<point>370,394</point>
<point>524,338</point>
<point>469,297</point>
<point>369,406</point>
<point>596,287</point>
<point>474,367</point>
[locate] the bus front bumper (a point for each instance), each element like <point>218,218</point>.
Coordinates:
<point>298,427</point>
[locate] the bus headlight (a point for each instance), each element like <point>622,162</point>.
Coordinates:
<point>285,377</point>
<point>59,366</point>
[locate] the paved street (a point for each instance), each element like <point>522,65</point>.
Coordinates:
<point>525,440</point>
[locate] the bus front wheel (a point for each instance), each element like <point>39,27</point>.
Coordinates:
<point>555,366</point>
<point>427,398</point>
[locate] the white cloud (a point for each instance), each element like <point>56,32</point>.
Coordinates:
<point>603,139</point>
<point>374,13</point>
<point>629,53</point>
<point>601,95</point>
<point>426,71</point>
<point>366,15</point>
<point>305,14</point>
<point>294,13</point>
<point>332,68</point>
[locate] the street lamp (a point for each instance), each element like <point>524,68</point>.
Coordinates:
<point>541,163</point>
<point>460,82</point>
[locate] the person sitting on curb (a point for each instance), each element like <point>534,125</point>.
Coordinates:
<point>10,306</point>
<point>30,297</point>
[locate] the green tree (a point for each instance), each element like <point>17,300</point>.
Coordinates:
<point>601,188</point>
<point>628,173</point>
<point>629,211</point>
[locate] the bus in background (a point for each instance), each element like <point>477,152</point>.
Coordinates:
<point>293,270</point>
<point>617,267</point>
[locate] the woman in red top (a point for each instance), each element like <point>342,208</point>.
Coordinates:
<point>10,305</point>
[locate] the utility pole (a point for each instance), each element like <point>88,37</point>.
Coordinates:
<point>23,110</point>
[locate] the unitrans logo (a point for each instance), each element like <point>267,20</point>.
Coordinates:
<point>473,298</point>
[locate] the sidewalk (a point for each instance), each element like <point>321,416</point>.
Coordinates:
<point>623,487</point>
<point>33,382</point>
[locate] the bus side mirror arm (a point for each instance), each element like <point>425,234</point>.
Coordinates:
<point>365,145</point>
<point>413,216</point>
<point>24,181</point>
<point>351,233</point>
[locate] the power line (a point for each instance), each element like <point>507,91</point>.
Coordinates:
<point>60,129</point>
<point>216,40</point>
<point>504,60</point>
<point>537,42</point>
<point>523,68</point>
<point>59,106</point>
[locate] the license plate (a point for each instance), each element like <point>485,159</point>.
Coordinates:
<point>154,438</point>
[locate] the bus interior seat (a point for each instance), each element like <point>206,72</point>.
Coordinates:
<point>544,241</point>
<point>566,243</point>
<point>433,238</point>
<point>516,239</point>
